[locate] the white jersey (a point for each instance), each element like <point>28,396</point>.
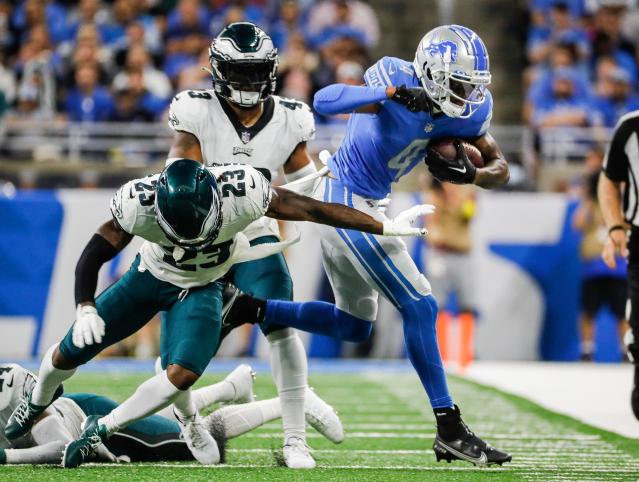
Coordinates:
<point>223,139</point>
<point>15,383</point>
<point>246,195</point>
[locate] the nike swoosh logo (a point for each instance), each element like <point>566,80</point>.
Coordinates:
<point>481,460</point>
<point>131,195</point>
<point>252,186</point>
<point>9,385</point>
<point>459,169</point>
<point>391,69</point>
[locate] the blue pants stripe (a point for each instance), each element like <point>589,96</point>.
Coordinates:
<point>415,295</point>
<point>328,195</point>
<point>390,286</point>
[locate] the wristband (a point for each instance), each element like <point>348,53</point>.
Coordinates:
<point>616,227</point>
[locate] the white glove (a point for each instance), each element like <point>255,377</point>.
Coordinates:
<point>324,156</point>
<point>88,327</point>
<point>404,223</point>
<point>382,205</point>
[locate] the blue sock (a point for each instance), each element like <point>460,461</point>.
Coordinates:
<point>421,343</point>
<point>317,317</point>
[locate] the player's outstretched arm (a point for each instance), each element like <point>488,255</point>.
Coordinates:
<point>495,171</point>
<point>290,206</point>
<point>109,240</point>
<point>185,146</point>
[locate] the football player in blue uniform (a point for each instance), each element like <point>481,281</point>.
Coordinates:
<point>402,106</point>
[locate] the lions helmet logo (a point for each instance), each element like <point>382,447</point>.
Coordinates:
<point>446,49</point>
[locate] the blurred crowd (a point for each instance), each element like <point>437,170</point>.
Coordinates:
<point>122,60</point>
<point>582,57</point>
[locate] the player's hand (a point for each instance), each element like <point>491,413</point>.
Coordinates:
<point>616,242</point>
<point>404,224</point>
<point>414,99</point>
<point>382,205</point>
<point>88,327</point>
<point>458,171</point>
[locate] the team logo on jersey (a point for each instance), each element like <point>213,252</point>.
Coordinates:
<point>246,137</point>
<point>247,151</point>
<point>446,49</point>
<point>173,120</point>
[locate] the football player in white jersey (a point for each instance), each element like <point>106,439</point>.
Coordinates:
<point>154,438</point>
<point>192,219</point>
<point>240,120</point>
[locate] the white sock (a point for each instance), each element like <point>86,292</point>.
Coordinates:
<point>290,372</point>
<point>50,453</point>
<point>153,395</point>
<point>205,397</point>
<point>184,405</point>
<point>242,418</point>
<point>219,392</point>
<point>49,378</point>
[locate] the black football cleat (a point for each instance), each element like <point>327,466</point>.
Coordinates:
<point>239,308</point>
<point>466,445</point>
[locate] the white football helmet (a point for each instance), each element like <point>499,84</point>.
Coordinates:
<point>451,63</point>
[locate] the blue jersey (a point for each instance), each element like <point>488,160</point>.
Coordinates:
<point>379,149</point>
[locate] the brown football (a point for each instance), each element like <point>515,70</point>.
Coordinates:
<point>446,149</point>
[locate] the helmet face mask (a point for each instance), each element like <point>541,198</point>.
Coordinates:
<point>243,64</point>
<point>188,207</point>
<point>452,65</point>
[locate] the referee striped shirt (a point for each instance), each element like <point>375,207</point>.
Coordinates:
<point>621,163</point>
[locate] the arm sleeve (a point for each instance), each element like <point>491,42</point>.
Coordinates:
<point>343,99</point>
<point>615,165</point>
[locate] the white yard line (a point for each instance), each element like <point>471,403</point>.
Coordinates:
<point>443,468</point>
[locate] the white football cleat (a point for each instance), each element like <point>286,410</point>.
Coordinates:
<point>242,380</point>
<point>199,440</point>
<point>323,418</point>
<point>297,455</point>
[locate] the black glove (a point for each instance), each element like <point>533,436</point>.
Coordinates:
<point>414,99</point>
<point>458,171</point>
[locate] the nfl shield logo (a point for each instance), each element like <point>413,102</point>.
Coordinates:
<point>246,137</point>
<point>429,127</point>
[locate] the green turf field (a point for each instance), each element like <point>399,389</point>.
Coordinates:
<point>389,432</point>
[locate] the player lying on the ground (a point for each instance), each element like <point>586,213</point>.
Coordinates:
<point>402,107</point>
<point>239,119</point>
<point>154,438</point>
<point>191,218</point>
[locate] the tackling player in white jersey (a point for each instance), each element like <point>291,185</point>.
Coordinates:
<point>192,219</point>
<point>240,120</point>
<point>154,438</point>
